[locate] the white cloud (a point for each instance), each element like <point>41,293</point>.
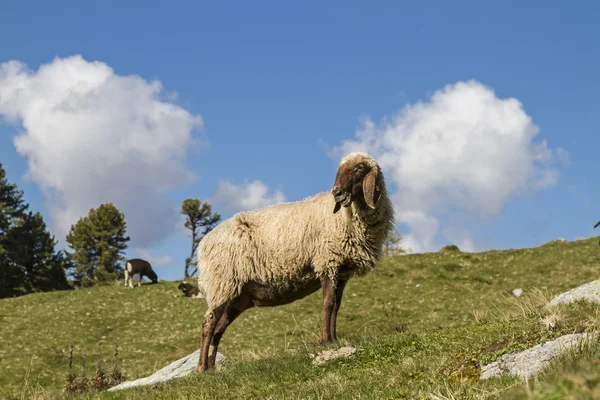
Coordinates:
<point>563,156</point>
<point>461,155</point>
<point>91,136</point>
<point>164,260</point>
<point>245,196</point>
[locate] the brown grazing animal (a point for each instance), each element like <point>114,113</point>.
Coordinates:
<point>141,267</point>
<point>282,253</point>
<point>188,289</point>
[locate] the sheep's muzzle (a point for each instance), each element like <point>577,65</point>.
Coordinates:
<point>341,198</point>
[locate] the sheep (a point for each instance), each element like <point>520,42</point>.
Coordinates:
<point>279,254</point>
<point>141,267</point>
<point>189,290</point>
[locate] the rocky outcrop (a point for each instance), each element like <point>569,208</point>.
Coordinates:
<point>532,361</point>
<point>179,368</point>
<point>590,292</point>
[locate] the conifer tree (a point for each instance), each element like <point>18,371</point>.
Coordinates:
<point>199,220</point>
<point>98,241</point>
<point>28,260</point>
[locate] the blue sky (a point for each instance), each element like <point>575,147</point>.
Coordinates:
<point>485,116</point>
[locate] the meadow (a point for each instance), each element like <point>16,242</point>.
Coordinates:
<point>423,326</point>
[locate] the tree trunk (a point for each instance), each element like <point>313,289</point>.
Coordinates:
<point>186,273</point>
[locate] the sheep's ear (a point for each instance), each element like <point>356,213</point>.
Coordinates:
<point>370,189</point>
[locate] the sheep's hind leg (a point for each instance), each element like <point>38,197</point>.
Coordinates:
<point>339,291</point>
<point>208,330</point>
<point>233,311</point>
<point>327,284</point>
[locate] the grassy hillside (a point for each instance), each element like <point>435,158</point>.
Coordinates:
<point>422,323</point>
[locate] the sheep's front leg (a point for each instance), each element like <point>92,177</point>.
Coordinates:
<point>328,286</point>
<point>208,330</point>
<point>339,291</point>
<point>232,312</point>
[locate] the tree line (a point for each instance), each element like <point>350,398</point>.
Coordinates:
<point>28,259</point>
<point>30,262</point>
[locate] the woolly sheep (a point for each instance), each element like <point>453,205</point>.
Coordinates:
<point>282,253</point>
<point>141,267</point>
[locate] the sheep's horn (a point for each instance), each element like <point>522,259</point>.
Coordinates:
<point>337,207</point>
<point>598,224</point>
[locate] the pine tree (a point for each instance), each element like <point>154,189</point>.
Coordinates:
<point>32,251</point>
<point>200,220</point>
<point>28,260</point>
<point>98,241</point>
<point>11,208</point>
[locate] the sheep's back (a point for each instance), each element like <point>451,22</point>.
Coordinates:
<point>272,245</point>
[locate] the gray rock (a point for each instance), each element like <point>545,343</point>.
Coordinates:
<point>329,355</point>
<point>179,368</point>
<point>590,292</point>
<point>532,361</point>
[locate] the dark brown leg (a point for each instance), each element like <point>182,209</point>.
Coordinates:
<point>339,291</point>
<point>328,306</point>
<point>232,312</point>
<point>208,329</point>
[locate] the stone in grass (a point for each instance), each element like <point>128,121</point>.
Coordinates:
<point>532,361</point>
<point>590,292</point>
<point>179,368</point>
<point>328,355</point>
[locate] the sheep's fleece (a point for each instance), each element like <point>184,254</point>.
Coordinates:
<point>286,244</point>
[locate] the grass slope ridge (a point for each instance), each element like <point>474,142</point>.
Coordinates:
<point>423,325</point>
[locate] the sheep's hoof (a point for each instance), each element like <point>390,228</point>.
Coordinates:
<point>201,368</point>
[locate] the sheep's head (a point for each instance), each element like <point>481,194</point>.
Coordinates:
<point>184,287</point>
<point>153,277</point>
<point>356,180</point>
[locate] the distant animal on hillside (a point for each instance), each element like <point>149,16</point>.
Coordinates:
<point>140,267</point>
<point>282,253</point>
<point>189,290</point>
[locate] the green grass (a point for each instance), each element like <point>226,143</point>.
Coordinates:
<point>423,326</point>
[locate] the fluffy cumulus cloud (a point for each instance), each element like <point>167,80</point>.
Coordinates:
<point>92,136</point>
<point>246,196</point>
<point>461,155</point>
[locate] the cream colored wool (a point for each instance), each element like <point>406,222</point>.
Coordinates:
<point>289,243</point>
